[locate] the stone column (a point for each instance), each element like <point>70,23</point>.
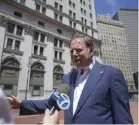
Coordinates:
<point>3,22</point>
<point>48,76</point>
<point>24,76</point>
<point>66,57</point>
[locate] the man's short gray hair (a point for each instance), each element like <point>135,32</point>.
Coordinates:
<point>88,40</point>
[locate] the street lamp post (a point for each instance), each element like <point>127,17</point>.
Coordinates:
<point>28,78</point>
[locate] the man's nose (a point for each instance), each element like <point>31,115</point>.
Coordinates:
<point>74,53</point>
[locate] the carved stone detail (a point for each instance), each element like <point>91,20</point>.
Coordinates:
<point>3,21</point>
<point>28,30</point>
<point>96,52</point>
<point>59,61</point>
<point>50,37</point>
<point>66,43</point>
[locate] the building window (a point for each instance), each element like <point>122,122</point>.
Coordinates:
<point>17,45</point>
<point>82,10</point>
<point>69,3</point>
<point>22,2</point>
<point>74,25</point>
<point>73,5</point>
<point>37,7</point>
<point>74,15</point>
<point>83,29</point>
<point>90,15</point>
<point>14,29</point>
<point>56,54</point>
<point>60,43</point>
<point>44,1</point>
<point>82,19</point>
<point>91,24</point>
<point>70,13</point>
<point>10,28</point>
<point>85,12</point>
<point>56,16</point>
<point>37,79</point>
<point>60,8</point>
<point>86,31</point>
<point>56,5</point>
<point>55,42</point>
<point>19,30</point>
<point>84,3</point>
<point>43,10</point>
<point>60,18</point>
<point>10,75</point>
<point>41,23</point>
<point>18,14</point>
<point>90,7</point>
<point>42,38</point>
<point>60,55</point>
<point>59,31</point>
<point>9,43</point>
<point>8,89</point>
<point>36,90</point>
<point>81,1</point>
<point>36,36</point>
<point>57,75</point>
<point>70,23</point>
<point>35,49</point>
<point>41,51</point>
<point>85,21</point>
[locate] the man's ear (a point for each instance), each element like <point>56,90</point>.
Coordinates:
<point>92,51</point>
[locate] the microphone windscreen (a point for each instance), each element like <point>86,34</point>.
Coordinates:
<point>63,88</point>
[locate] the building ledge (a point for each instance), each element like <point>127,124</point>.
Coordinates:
<point>39,57</point>
<point>59,61</point>
<point>5,50</point>
<point>58,48</point>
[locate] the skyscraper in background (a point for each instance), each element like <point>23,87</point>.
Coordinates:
<point>115,49</point>
<point>129,18</point>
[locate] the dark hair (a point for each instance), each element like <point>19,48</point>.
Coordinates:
<point>87,39</point>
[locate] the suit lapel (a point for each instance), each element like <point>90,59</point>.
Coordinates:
<point>72,81</point>
<point>95,75</point>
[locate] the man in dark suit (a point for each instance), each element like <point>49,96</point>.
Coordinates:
<point>98,92</point>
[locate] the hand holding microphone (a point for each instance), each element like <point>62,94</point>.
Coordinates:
<point>59,99</point>
<point>51,119</point>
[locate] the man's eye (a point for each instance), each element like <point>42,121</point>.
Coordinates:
<point>78,50</point>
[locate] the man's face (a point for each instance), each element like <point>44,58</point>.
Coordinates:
<point>80,53</point>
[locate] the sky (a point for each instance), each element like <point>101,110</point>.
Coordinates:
<point>111,6</point>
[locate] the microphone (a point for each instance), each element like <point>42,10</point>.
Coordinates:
<point>5,110</point>
<point>59,99</point>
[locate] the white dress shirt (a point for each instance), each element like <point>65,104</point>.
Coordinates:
<point>80,82</point>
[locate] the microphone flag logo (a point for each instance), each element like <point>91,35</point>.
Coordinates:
<point>63,102</point>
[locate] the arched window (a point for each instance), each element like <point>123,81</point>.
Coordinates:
<point>57,75</point>
<point>37,79</point>
<point>9,76</point>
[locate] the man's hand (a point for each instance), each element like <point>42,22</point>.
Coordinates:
<point>51,119</point>
<point>14,102</point>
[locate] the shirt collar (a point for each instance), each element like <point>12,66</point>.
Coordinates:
<point>88,67</point>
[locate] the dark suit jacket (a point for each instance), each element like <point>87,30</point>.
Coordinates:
<point>104,99</point>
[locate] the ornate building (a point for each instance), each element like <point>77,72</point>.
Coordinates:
<point>34,40</point>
